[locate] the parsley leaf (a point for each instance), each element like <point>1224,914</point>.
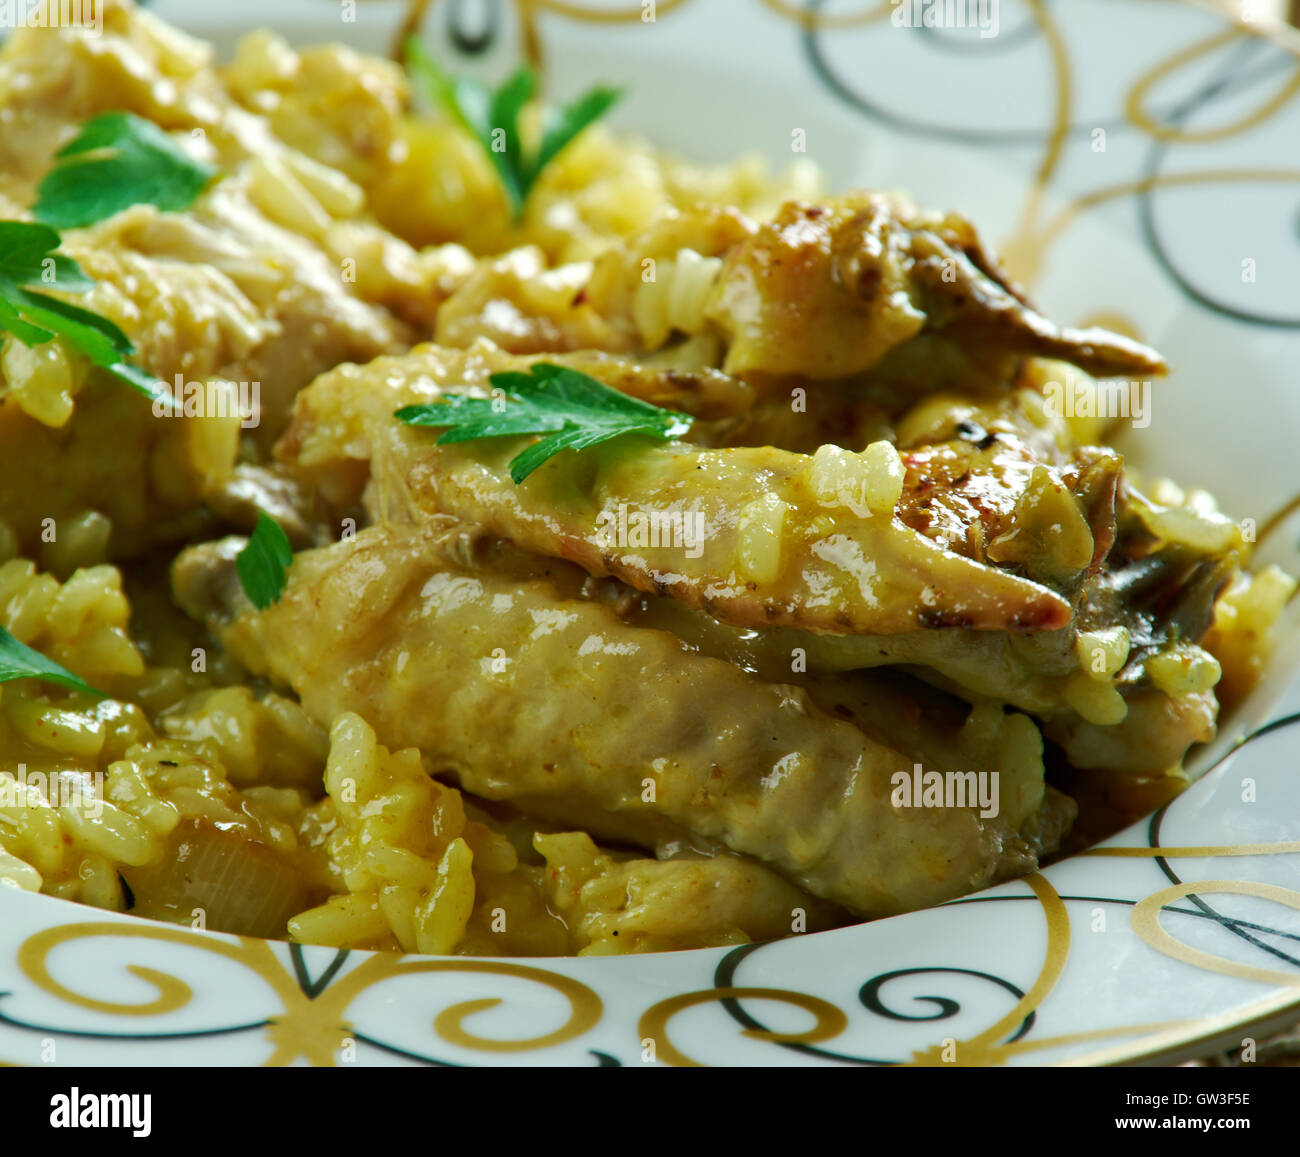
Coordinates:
<point>118,160</point>
<point>261,565</point>
<point>574,411</point>
<point>562,124</point>
<point>19,661</point>
<point>492,118</point>
<point>27,259</point>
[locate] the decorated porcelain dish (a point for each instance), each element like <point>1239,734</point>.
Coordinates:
<point>588,533</point>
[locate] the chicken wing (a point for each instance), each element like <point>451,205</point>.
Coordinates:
<point>512,683</point>
<point>834,289</point>
<point>775,538</point>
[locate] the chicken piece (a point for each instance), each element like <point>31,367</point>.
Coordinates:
<point>223,292</point>
<point>1149,741</point>
<point>861,284</point>
<point>835,414</point>
<point>1160,604</point>
<point>245,288</point>
<point>828,291</point>
<point>147,478</point>
<point>773,541</point>
<point>197,328</point>
<point>617,905</point>
<point>1009,492</point>
<point>758,555</point>
<point>511,683</point>
<point>1025,671</point>
<point>999,485</point>
<point>189,323</point>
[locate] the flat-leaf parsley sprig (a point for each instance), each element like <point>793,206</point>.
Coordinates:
<point>263,564</point>
<point>115,161</point>
<point>19,661</point>
<point>27,260</point>
<point>491,117</point>
<point>573,410</point>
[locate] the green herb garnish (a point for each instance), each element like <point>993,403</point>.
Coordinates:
<point>19,661</point>
<point>262,564</point>
<point>574,411</point>
<point>492,118</point>
<point>27,259</point>
<point>118,160</point>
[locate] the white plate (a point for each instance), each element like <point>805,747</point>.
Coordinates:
<point>1179,935</point>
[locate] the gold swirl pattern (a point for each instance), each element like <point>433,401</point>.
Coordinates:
<point>526,12</point>
<point>817,19</point>
<point>1025,251</point>
<point>1036,241</point>
<point>653,1026</point>
<point>1135,105</point>
<point>985,1048</point>
<point>1146,922</point>
<point>313,1027</point>
<point>585,1007</point>
<point>830,1021</point>
<point>173,994</point>
<point>1286,847</point>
